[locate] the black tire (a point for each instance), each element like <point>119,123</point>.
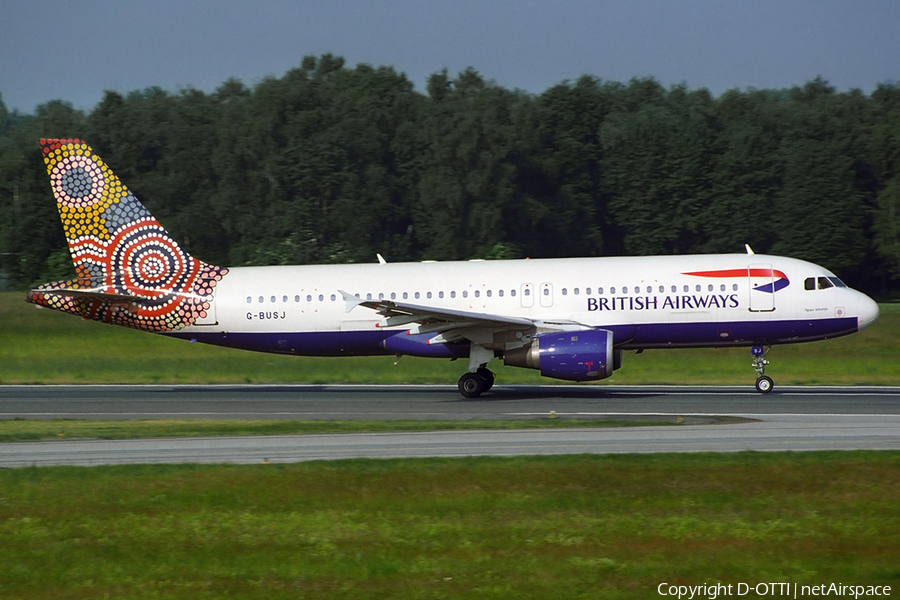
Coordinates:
<point>764,384</point>
<point>488,377</point>
<point>472,385</point>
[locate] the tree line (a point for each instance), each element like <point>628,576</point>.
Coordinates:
<point>331,164</point>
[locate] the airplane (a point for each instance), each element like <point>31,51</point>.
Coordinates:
<point>570,318</point>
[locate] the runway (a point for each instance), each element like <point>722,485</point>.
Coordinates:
<point>437,402</point>
<point>799,419</point>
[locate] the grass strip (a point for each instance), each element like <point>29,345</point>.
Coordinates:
<point>20,430</point>
<point>524,527</point>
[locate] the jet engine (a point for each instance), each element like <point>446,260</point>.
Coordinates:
<point>571,355</point>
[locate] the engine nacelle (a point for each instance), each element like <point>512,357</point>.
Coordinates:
<point>572,355</point>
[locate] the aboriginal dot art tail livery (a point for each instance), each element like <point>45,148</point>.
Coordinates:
<point>129,270</point>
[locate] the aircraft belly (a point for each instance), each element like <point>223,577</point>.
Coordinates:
<point>738,333</point>
<point>308,343</point>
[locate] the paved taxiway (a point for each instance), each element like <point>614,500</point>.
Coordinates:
<point>427,402</point>
<point>791,418</point>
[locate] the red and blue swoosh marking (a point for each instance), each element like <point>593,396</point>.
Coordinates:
<point>781,280</point>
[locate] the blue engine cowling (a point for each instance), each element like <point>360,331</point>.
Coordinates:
<point>574,355</point>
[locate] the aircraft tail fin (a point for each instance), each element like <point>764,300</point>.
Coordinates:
<point>129,270</point>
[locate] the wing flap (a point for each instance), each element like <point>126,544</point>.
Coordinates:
<point>415,313</point>
<point>448,325</point>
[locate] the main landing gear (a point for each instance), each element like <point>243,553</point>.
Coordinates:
<point>479,379</point>
<point>472,385</point>
<point>764,383</point>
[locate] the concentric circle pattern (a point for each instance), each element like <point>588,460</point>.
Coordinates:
<point>119,249</point>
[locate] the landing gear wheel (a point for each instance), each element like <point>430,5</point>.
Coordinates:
<point>764,384</point>
<point>488,377</point>
<point>471,385</point>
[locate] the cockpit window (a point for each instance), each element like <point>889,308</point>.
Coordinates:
<point>822,283</point>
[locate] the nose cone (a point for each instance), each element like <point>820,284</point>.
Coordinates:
<point>867,312</point>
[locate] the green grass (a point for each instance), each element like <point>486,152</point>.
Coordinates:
<point>548,527</point>
<point>43,346</point>
<point>20,430</point>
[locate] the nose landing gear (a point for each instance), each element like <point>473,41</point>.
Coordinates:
<point>764,383</point>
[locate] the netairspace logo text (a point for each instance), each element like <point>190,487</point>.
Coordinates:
<point>791,590</point>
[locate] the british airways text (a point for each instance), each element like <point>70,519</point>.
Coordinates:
<point>668,303</point>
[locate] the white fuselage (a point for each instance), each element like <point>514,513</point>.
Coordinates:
<point>661,301</point>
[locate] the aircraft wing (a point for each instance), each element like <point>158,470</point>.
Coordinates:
<point>452,325</point>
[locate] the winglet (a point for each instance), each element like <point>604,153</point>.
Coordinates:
<point>351,300</point>
<point>749,249</point>
<point>381,260</point>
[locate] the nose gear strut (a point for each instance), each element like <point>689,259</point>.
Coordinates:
<point>764,383</point>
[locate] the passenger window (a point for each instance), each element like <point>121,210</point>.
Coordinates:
<point>273,299</point>
<point>734,286</point>
<point>333,297</point>
<point>261,300</point>
<point>309,297</point>
<point>599,291</point>
<point>369,296</point>
<point>546,291</point>
<point>612,290</point>
<point>405,295</point>
<point>249,300</point>
<point>674,289</point>
<point>809,283</point>
<point>710,288</point>
<point>564,292</point>
<point>687,288</point>
<point>527,291</point>
<point>512,292</point>
<point>824,283</point>
<point>465,293</point>
<point>296,298</point>
<point>393,295</point>
<point>477,294</point>
<point>649,289</point>
<point>500,293</point>
<point>489,293</point>
<point>441,294</point>
<point>587,291</point>
<point>697,287</point>
<point>662,289</point>
<point>576,291</point>
<point>381,295</point>
<point>453,294</point>
<point>321,297</point>
<point>624,289</point>
<point>417,295</point>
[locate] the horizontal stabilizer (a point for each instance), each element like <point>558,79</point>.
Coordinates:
<point>90,294</point>
<point>106,294</point>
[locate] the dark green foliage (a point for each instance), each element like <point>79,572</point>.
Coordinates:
<point>333,164</point>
